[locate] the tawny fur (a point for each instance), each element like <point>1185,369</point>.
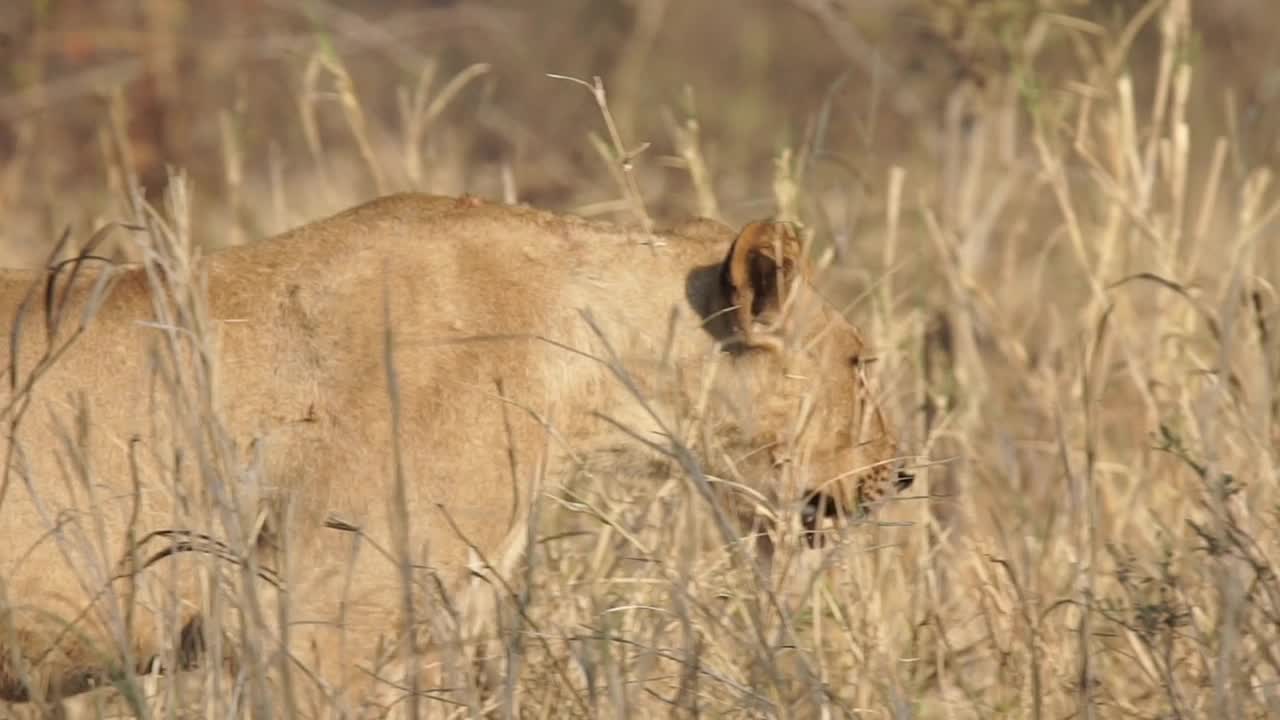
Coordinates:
<point>491,347</point>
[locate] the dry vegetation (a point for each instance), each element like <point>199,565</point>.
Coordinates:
<point>1056,220</point>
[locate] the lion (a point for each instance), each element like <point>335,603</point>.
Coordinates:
<point>388,383</point>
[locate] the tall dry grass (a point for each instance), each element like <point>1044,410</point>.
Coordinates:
<point>1072,294</point>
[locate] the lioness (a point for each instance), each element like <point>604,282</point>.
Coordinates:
<point>280,414</point>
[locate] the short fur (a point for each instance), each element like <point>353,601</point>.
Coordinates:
<point>506,321</point>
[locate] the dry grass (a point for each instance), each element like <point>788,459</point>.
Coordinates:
<point>1055,222</point>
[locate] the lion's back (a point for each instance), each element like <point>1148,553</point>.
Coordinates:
<point>472,262</point>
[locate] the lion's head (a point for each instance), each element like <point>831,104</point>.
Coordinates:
<point>801,370</point>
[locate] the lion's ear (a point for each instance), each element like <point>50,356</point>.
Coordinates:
<point>759,273</point>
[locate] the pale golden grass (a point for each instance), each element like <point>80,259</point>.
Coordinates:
<point>1075,322</point>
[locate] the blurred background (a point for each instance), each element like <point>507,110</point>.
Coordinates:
<point>282,110</point>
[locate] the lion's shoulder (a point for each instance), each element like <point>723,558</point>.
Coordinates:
<point>701,230</point>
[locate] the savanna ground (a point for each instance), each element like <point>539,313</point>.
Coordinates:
<point>1055,220</point>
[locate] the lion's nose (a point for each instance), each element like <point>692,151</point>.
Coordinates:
<point>817,507</point>
<point>905,478</point>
